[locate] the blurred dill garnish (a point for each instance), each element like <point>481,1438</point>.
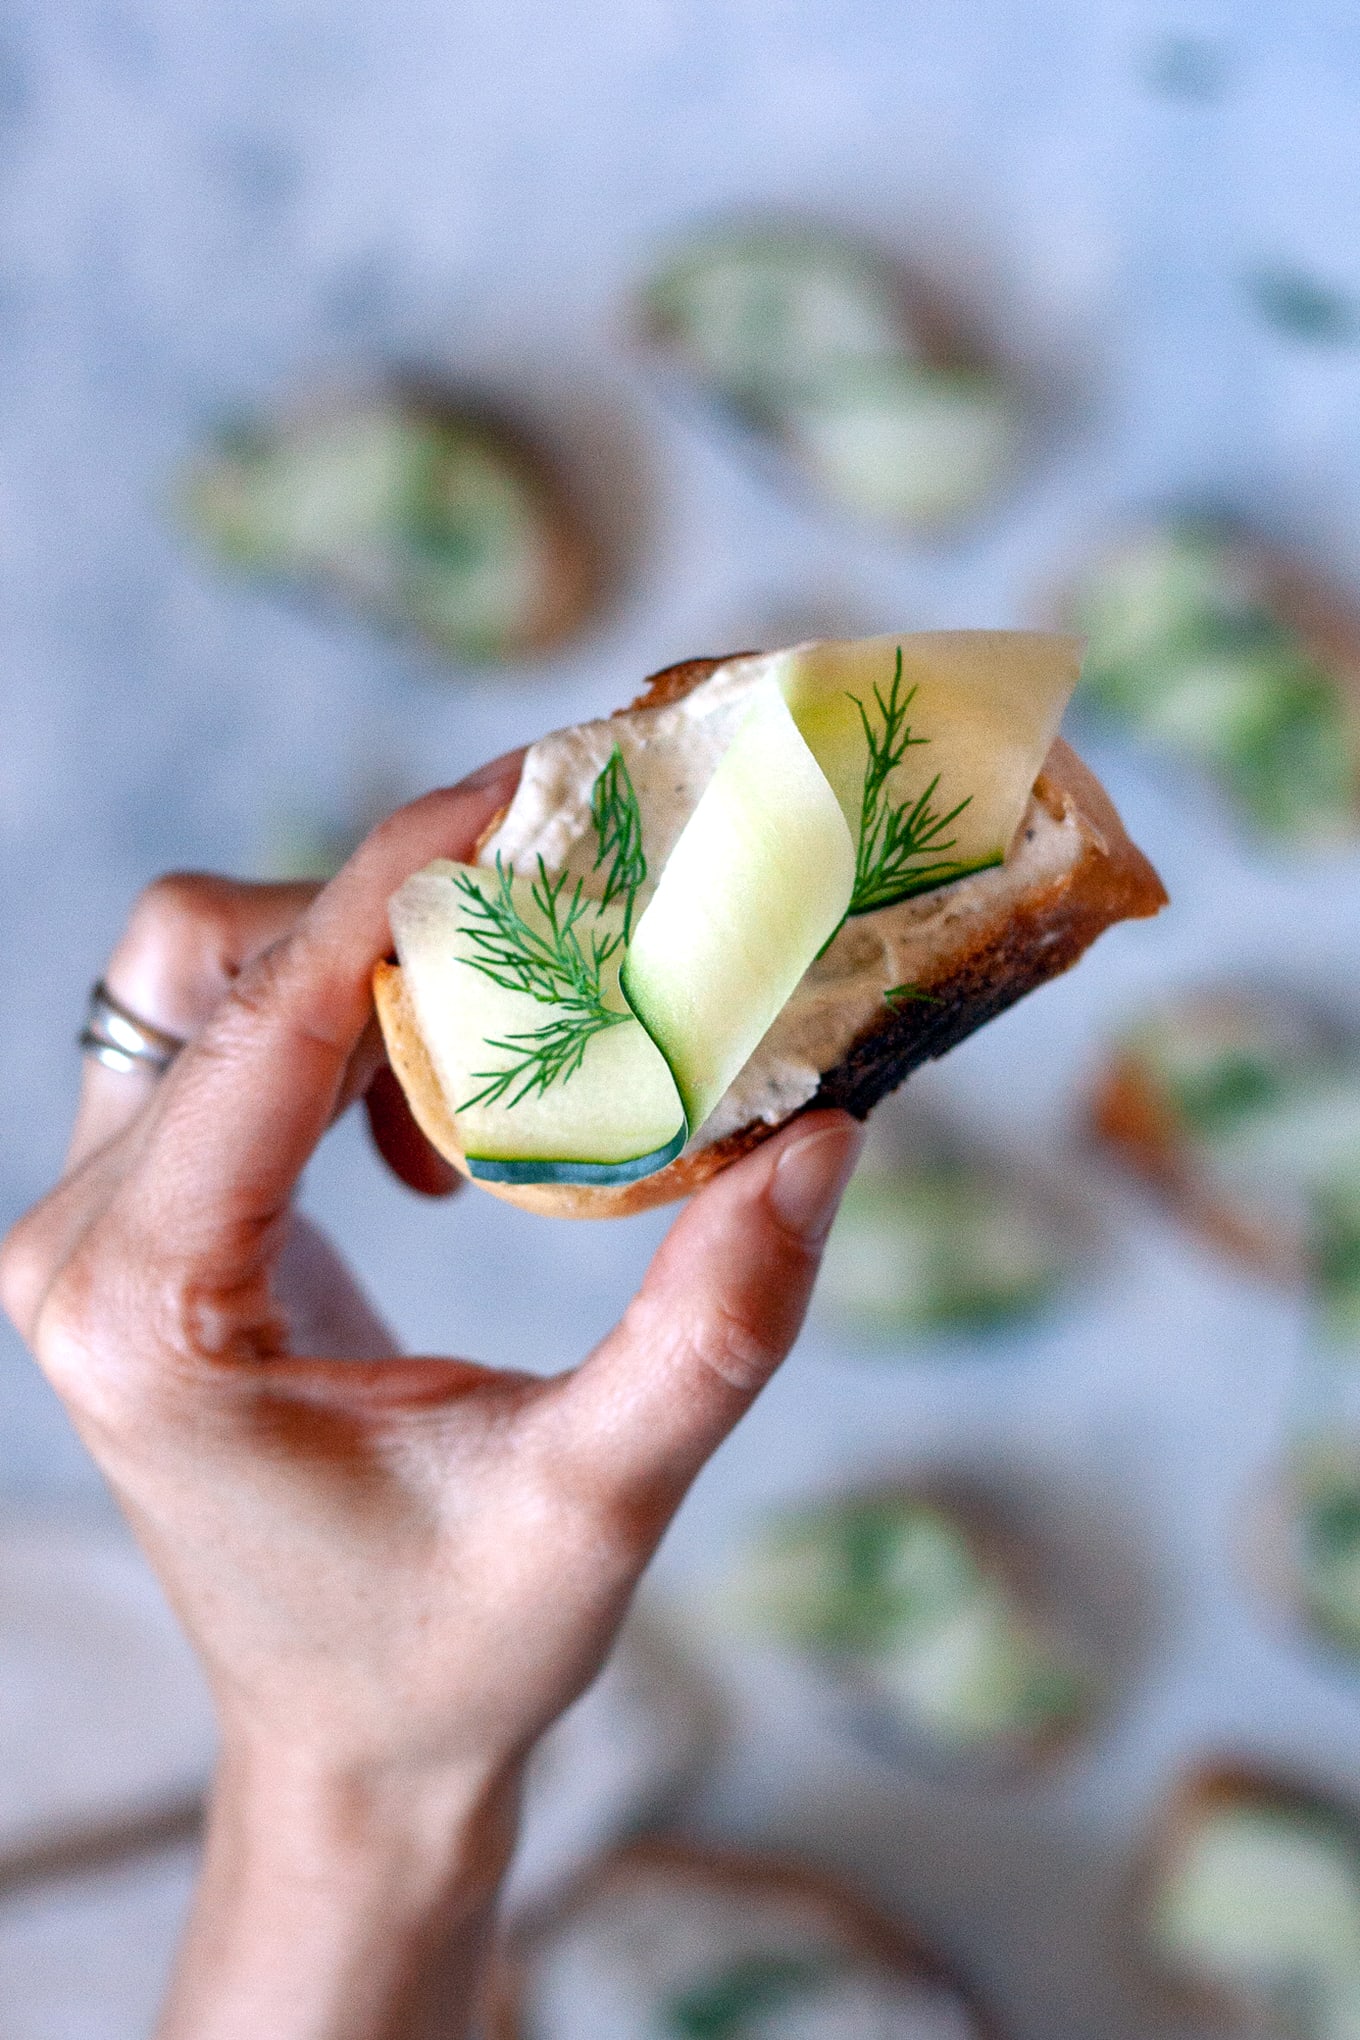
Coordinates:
<point>1302,306</point>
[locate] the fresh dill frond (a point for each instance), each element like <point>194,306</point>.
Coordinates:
<point>910,995</point>
<point>560,964</point>
<point>901,844</point>
<point>618,828</point>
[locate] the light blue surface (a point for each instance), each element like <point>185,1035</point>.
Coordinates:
<point>207,206</point>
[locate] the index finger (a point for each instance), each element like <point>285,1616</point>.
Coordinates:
<point>244,1106</point>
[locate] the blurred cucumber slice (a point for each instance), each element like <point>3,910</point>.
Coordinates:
<point>757,1996</point>
<point>1186,650</point>
<point>761,316</point>
<point>1335,1247</point>
<point>1260,1901</point>
<point>898,1593</point>
<point>939,1246</point>
<point>1224,1059</point>
<point>904,444</point>
<point>1155,591</point>
<point>1324,1502</point>
<point>980,1675</point>
<point>441,522</point>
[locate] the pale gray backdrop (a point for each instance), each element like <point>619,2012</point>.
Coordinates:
<point>204,207</point>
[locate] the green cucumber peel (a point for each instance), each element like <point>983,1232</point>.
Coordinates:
<point>576,1047</point>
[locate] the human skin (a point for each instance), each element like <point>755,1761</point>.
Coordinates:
<point>396,1571</point>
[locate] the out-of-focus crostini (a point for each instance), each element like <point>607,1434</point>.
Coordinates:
<point>669,1940</point>
<point>1251,1905</point>
<point>1241,1106</point>
<point>431,514</point>
<point>1216,648</point>
<point>927,1611</point>
<point>823,353</point>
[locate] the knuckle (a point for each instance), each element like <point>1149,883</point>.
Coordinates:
<point>70,1313</point>
<point>733,1345</point>
<point>255,992</point>
<point>177,944</point>
<point>178,905</point>
<point>72,1327</point>
<point>23,1269</point>
<point>103,1333</point>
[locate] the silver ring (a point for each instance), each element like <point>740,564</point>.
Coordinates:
<point>114,1036</point>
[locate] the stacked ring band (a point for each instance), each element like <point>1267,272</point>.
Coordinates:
<point>116,1037</point>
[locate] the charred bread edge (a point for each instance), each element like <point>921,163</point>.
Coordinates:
<point>1225,1781</point>
<point>868,1930</point>
<point>1112,881</point>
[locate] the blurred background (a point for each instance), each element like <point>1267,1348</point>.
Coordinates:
<point>1142,219</point>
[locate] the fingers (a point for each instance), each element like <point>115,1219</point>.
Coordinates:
<point>400,1141</point>
<point>238,1116</point>
<point>187,940</point>
<point>722,1303</point>
<point>327,1312</point>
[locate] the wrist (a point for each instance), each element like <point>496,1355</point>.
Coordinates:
<point>437,1832</point>
<point>341,1904</point>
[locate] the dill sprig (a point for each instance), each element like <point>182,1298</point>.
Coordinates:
<point>901,844</point>
<point>552,964</point>
<point>618,828</point>
<point>911,995</point>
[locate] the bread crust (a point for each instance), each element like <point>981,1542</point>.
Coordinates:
<point>987,966</point>
<point>865,1929</point>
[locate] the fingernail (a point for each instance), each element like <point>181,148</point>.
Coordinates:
<point>487,775</point>
<point>809,1177</point>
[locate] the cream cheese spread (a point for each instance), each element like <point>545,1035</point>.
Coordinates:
<point>671,753</point>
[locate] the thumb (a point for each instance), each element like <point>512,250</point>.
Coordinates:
<point>722,1303</point>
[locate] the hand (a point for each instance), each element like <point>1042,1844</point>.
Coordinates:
<point>396,1571</point>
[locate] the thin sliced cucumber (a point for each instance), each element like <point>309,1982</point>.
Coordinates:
<point>757,883</point>
<point>618,1116</point>
<point>984,708</point>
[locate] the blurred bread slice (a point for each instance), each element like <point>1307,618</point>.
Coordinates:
<point>670,1930</point>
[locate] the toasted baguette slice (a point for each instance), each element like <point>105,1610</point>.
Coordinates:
<point>633,1896</point>
<point>1002,1560</point>
<point>976,947</point>
<point>1212,1792</point>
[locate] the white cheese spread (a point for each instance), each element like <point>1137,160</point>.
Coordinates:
<point>671,754</point>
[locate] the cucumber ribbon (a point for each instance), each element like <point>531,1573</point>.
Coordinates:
<point>761,877</point>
